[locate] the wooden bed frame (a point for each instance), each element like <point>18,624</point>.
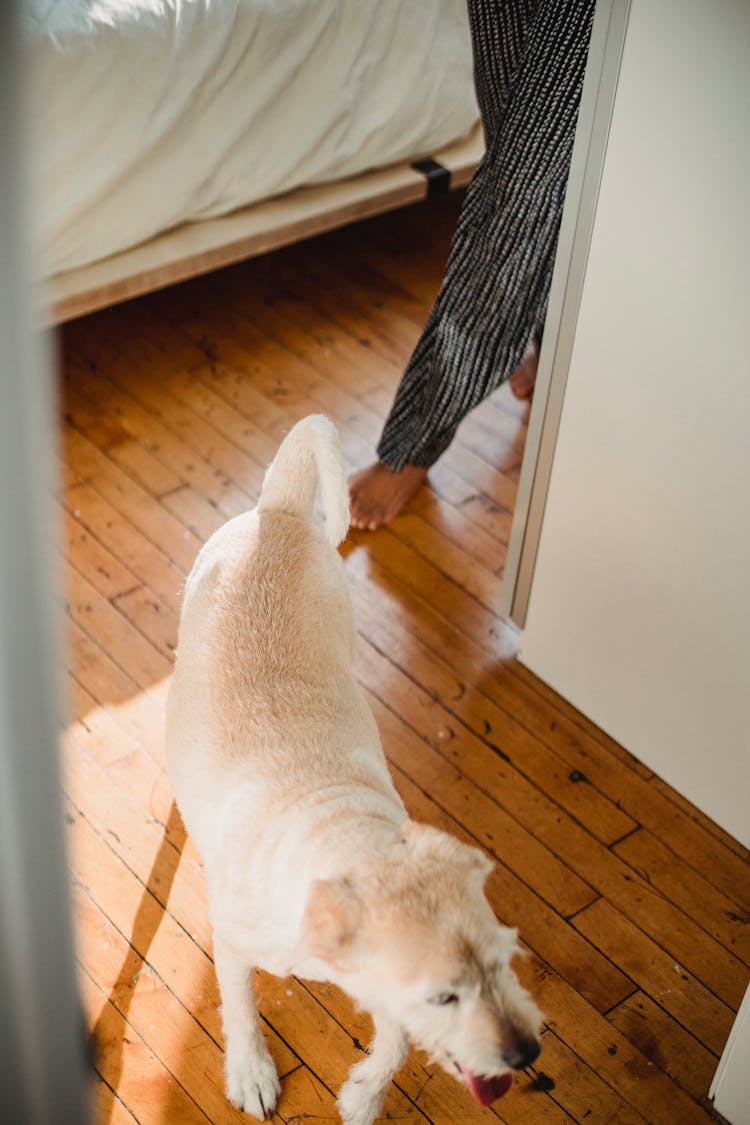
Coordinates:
<point>200,247</point>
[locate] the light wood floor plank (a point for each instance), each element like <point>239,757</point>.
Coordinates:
<point>146,1091</point>
<point>521,756</point>
<point>658,974</point>
<point>666,1044</point>
<point>685,887</point>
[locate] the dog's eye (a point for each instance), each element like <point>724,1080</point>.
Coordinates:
<point>444,998</point>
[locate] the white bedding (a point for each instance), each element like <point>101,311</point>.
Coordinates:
<point>149,113</point>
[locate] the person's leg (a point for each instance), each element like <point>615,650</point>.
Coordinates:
<point>493,298</point>
<point>498,38</point>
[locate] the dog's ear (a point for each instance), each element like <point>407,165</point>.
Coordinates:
<point>432,842</point>
<point>478,863</point>
<point>331,918</point>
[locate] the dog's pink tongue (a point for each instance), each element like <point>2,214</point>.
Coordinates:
<point>487,1090</point>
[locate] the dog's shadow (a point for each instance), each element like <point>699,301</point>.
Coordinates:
<point>146,922</point>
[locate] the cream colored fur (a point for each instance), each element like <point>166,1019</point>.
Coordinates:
<point>312,864</point>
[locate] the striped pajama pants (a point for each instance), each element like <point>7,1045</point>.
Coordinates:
<point>529,60</point>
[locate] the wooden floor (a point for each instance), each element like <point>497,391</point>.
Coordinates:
<point>634,907</point>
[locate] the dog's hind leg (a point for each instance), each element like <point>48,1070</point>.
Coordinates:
<point>252,1083</point>
<point>361,1096</point>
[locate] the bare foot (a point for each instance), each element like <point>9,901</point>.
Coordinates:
<point>377,494</point>
<point>523,378</point>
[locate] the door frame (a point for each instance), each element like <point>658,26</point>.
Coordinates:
<point>587,163</point>
<point>42,1053</point>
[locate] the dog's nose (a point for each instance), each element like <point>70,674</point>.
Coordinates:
<point>523,1053</point>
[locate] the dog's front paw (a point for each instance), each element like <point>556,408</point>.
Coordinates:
<point>361,1096</point>
<point>252,1083</point>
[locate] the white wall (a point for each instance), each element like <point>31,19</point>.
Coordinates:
<point>640,603</point>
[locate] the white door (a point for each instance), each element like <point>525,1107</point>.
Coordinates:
<point>639,606</point>
<point>630,554</point>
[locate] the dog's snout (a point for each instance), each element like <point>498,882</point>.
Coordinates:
<point>522,1053</point>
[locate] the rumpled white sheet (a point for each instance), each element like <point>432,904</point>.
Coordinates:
<point>148,113</point>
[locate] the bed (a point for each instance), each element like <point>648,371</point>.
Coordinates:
<point>172,137</point>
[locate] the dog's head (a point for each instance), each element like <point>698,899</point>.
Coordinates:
<point>414,938</point>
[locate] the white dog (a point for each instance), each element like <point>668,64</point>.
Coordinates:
<point>313,867</point>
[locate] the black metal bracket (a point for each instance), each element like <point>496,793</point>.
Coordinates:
<point>438,177</point>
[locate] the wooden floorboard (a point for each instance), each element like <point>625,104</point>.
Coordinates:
<point>633,907</point>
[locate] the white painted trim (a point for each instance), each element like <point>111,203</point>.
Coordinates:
<point>730,1089</point>
<point>587,162</point>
